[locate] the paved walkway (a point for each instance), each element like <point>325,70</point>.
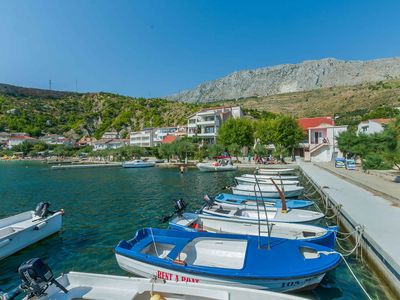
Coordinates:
<point>375,184</point>
<point>379,216</point>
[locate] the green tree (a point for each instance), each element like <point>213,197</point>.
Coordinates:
<point>166,151</point>
<point>25,147</point>
<point>235,150</point>
<point>215,150</point>
<point>183,149</point>
<point>285,131</point>
<point>236,131</point>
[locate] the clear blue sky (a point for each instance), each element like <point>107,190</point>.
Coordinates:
<point>154,48</point>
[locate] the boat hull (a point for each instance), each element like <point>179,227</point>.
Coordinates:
<point>277,171</point>
<point>308,233</point>
<point>250,202</point>
<point>144,269</point>
<point>268,193</point>
<point>204,167</point>
<point>97,286</point>
<point>274,215</point>
<point>138,165</point>
<point>252,181</point>
<point>14,238</point>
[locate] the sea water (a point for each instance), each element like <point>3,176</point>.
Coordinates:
<point>105,205</point>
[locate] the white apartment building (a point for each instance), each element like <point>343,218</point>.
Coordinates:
<point>142,138</point>
<point>162,132</point>
<point>205,123</point>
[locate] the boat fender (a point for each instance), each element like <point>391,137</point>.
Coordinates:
<point>40,226</point>
<point>5,242</point>
<point>179,262</point>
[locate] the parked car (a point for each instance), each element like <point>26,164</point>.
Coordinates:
<point>350,164</point>
<point>340,162</point>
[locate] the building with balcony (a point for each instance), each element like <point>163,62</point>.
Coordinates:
<point>320,143</point>
<point>205,123</point>
<point>142,138</point>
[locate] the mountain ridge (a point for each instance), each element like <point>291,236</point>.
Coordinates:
<point>287,78</point>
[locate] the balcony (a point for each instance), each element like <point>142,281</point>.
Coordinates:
<point>202,122</point>
<point>206,134</point>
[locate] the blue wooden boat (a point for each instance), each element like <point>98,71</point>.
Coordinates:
<point>226,259</point>
<point>251,201</point>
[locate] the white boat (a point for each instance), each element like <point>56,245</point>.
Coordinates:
<point>267,191</point>
<point>275,171</point>
<point>292,231</point>
<point>138,163</point>
<point>275,177</point>
<point>215,167</point>
<point>20,231</point>
<point>108,287</point>
<point>273,214</point>
<point>77,285</point>
<point>252,181</point>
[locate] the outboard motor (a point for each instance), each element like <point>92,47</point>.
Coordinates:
<point>180,206</point>
<point>209,202</point>
<point>42,210</point>
<point>36,277</point>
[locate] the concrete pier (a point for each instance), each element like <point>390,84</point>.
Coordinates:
<point>381,218</point>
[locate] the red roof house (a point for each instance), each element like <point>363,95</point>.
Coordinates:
<point>169,139</point>
<point>307,123</point>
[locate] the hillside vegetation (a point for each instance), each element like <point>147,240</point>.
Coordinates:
<point>82,114</point>
<point>38,111</point>
<point>352,103</point>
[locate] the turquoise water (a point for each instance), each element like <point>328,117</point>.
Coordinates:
<point>103,206</point>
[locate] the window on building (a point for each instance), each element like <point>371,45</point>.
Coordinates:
<point>209,130</point>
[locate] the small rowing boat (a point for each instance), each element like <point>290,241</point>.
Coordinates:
<point>275,177</point>
<point>273,214</point>
<point>252,181</point>
<point>249,201</point>
<point>292,231</point>
<point>138,163</point>
<point>275,264</point>
<point>20,231</point>
<point>215,167</point>
<point>267,191</point>
<point>275,171</point>
<point>38,283</point>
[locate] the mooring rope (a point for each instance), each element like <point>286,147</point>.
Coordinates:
<point>359,231</point>
<point>355,277</point>
<point>351,271</point>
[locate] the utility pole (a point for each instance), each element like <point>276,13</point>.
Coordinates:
<point>50,84</point>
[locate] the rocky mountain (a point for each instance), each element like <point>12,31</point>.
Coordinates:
<point>288,78</point>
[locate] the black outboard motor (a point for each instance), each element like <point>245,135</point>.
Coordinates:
<point>42,210</point>
<point>180,206</point>
<point>209,202</point>
<point>36,277</point>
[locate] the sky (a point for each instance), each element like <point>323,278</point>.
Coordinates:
<point>154,48</point>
